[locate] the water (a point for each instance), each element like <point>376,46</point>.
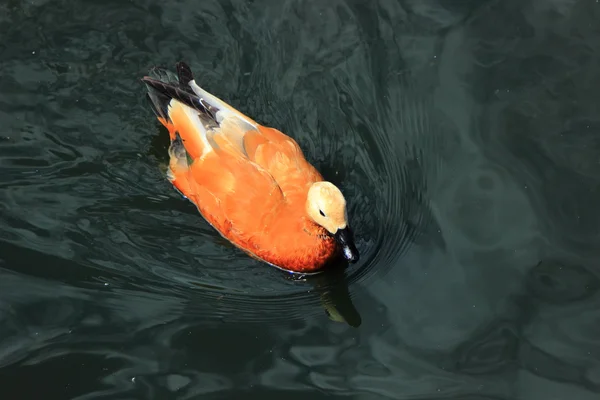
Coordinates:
<point>463,133</point>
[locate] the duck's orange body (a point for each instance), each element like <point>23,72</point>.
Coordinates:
<point>250,182</point>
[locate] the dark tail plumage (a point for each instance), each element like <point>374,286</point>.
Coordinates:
<point>163,86</point>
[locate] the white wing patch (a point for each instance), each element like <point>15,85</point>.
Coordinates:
<point>225,110</point>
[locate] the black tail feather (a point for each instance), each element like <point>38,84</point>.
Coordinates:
<point>159,104</point>
<point>184,74</point>
<point>164,92</point>
<point>163,86</point>
<point>158,100</point>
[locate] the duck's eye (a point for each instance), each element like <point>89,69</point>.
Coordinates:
<point>321,212</point>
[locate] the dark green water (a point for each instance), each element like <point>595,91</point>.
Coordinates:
<point>465,135</point>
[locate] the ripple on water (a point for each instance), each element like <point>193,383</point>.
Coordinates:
<point>84,184</point>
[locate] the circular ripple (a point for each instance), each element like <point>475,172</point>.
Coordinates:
<point>386,209</point>
<point>84,182</point>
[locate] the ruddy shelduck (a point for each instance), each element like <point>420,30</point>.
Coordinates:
<point>252,183</point>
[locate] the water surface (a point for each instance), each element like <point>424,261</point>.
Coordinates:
<point>463,133</point>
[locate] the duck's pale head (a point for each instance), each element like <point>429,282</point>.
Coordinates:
<point>326,206</point>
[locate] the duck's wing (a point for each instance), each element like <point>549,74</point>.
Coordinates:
<point>282,157</point>
<point>229,126</point>
<point>181,111</point>
<point>271,149</point>
<point>218,177</point>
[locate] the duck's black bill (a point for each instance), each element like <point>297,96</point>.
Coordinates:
<point>345,238</point>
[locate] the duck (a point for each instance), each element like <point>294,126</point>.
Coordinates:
<point>250,182</point>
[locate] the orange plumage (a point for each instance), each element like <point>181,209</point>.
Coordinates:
<point>250,182</point>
